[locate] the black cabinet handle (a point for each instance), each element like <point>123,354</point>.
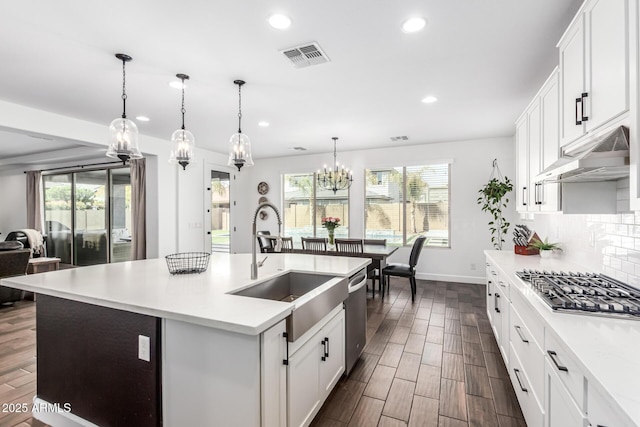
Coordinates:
<point>517,372</point>
<point>524,198</point>
<point>578,121</point>
<point>327,340</point>
<point>496,302</point>
<point>324,350</point>
<point>518,330</point>
<point>489,282</point>
<point>584,95</point>
<point>553,355</point>
<point>286,361</point>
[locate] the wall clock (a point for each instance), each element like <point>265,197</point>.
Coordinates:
<point>263,188</point>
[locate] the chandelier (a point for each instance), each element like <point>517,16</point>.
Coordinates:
<point>240,144</point>
<point>123,140</point>
<point>183,140</point>
<point>337,178</point>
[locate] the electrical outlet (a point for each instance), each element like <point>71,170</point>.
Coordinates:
<point>144,348</point>
<point>473,266</point>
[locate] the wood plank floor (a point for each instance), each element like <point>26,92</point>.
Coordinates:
<point>429,363</point>
<point>433,362</point>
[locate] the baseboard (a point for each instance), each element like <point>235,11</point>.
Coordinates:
<point>477,280</point>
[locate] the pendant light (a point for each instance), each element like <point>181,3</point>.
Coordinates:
<point>123,139</point>
<point>239,144</point>
<point>337,178</point>
<point>182,140</point>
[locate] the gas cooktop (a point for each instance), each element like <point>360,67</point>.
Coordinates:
<point>584,292</point>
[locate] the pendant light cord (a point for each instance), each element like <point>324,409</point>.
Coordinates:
<point>335,156</point>
<point>183,109</point>
<point>124,93</point>
<point>239,108</point>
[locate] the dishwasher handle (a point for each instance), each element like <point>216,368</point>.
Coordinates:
<point>358,280</point>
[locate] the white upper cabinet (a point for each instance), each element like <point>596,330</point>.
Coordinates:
<point>537,147</point>
<point>594,68</point>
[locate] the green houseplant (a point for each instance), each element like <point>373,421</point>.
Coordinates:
<point>493,198</point>
<point>545,247</point>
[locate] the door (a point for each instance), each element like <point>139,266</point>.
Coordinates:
<point>332,367</point>
<point>303,379</point>
<point>91,241</point>
<point>522,153</point>
<point>607,72</point>
<point>561,409</point>
<point>533,118</point>
<point>220,212</point>
<point>549,193</point>
<point>58,215</point>
<point>120,213</point>
<point>572,82</point>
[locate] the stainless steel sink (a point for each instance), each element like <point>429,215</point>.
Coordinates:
<point>313,297</point>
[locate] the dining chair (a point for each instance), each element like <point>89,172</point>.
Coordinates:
<point>349,245</point>
<point>373,272</point>
<point>314,244</point>
<point>264,243</point>
<point>287,244</point>
<point>405,270</point>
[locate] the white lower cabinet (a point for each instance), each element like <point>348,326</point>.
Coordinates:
<point>527,397</point>
<point>314,369</point>
<point>562,410</point>
<point>273,373</point>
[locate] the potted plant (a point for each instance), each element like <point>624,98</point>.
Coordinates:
<point>493,198</point>
<point>545,247</point>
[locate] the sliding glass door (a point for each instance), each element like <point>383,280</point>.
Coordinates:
<point>88,216</point>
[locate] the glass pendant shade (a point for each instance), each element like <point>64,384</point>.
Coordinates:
<point>240,151</point>
<point>123,140</point>
<point>183,142</point>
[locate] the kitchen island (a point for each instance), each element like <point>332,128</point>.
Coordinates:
<point>129,343</point>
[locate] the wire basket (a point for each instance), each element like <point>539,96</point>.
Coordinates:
<point>188,262</point>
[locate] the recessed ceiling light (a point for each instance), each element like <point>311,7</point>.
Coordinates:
<point>176,84</point>
<point>413,25</point>
<point>429,99</point>
<point>279,21</point>
<point>263,124</point>
<point>142,118</point>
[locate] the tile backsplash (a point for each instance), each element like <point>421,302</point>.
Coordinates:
<point>608,244</point>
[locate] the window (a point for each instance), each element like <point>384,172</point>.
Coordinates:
<point>305,205</point>
<point>403,203</point>
<point>88,216</point>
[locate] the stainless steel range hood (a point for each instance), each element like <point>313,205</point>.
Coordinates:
<point>604,159</point>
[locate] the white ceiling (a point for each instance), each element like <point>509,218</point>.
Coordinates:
<point>484,60</point>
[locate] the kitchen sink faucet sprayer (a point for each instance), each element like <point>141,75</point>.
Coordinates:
<point>278,247</point>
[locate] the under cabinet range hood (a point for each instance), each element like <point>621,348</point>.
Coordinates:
<point>606,158</point>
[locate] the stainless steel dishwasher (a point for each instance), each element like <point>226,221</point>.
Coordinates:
<point>356,318</point>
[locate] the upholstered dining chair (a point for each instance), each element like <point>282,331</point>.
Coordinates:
<point>349,245</point>
<point>373,273</point>
<point>314,244</point>
<point>264,243</point>
<point>405,270</point>
<point>13,263</point>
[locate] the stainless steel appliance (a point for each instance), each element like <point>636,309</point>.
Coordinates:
<point>356,319</point>
<point>584,293</point>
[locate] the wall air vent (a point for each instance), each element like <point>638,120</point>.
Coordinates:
<point>399,138</point>
<point>305,55</point>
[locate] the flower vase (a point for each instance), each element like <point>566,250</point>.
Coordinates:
<point>331,237</point>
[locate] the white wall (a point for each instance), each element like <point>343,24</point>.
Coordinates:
<point>471,168</point>
<point>13,203</point>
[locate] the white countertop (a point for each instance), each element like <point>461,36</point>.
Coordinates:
<point>608,348</point>
<point>146,287</point>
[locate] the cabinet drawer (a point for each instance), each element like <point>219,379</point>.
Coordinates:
<point>528,316</point>
<point>527,396</point>
<point>502,285</point>
<point>566,368</point>
<point>528,351</point>
<point>602,411</point>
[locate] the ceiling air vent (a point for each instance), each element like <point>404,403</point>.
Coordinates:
<point>399,138</point>
<point>305,55</point>
<point>298,148</point>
